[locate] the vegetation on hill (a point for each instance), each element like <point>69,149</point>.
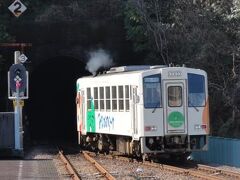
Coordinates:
<point>198,33</point>
<point>201,34</point>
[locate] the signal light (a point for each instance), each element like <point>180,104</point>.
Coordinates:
<point>17,82</point>
<point>18,78</point>
<point>204,126</point>
<point>17,72</point>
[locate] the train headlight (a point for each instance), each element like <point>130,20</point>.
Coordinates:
<point>200,126</point>
<point>197,126</point>
<point>150,128</point>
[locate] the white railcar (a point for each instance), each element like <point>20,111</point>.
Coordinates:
<point>144,110</point>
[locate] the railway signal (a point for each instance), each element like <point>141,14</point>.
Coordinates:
<point>18,79</point>
<point>18,91</point>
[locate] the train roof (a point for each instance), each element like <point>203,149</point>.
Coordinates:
<point>136,70</point>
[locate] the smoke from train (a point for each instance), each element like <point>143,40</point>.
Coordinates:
<point>98,59</point>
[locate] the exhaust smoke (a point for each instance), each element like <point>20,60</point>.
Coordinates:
<point>98,59</point>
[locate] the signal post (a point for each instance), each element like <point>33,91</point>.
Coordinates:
<point>18,91</point>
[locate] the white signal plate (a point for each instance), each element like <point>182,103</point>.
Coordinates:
<point>22,58</point>
<point>17,8</point>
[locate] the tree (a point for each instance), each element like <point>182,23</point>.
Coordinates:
<point>4,35</point>
<point>146,23</point>
<point>199,33</point>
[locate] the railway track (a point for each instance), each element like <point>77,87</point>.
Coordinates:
<point>71,170</point>
<point>194,170</point>
<point>78,169</point>
<point>78,174</point>
<point>101,169</point>
<point>213,170</point>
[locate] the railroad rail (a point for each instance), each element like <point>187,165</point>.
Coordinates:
<point>214,170</point>
<point>199,171</point>
<point>183,171</point>
<point>101,169</point>
<point>71,170</point>
<point>195,170</point>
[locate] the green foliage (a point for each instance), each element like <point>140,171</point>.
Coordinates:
<point>4,35</point>
<point>147,23</point>
<point>77,10</point>
<point>202,34</point>
<point>136,32</point>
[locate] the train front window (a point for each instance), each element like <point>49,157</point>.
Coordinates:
<point>196,90</point>
<point>174,96</point>
<point>152,91</point>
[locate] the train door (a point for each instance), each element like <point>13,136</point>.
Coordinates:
<point>175,107</point>
<point>135,100</point>
<point>80,112</point>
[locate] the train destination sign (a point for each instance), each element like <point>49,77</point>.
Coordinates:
<point>17,8</point>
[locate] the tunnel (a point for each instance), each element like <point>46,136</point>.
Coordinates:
<point>50,114</point>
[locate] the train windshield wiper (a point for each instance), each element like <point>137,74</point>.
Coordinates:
<point>156,106</point>
<point>190,103</point>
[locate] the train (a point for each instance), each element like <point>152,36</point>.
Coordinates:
<point>144,111</point>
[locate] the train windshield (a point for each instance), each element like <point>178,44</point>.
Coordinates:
<point>174,96</point>
<point>152,91</point>
<point>196,90</point>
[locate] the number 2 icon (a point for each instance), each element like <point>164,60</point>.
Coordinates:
<point>18,6</point>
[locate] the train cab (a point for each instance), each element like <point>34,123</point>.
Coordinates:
<point>176,109</point>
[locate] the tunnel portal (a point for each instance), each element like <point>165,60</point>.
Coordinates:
<point>50,110</point>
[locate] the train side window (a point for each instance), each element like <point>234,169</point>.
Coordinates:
<point>130,92</point>
<point>127,96</point>
<point>102,99</point>
<point>196,90</point>
<point>152,91</point>
<point>120,98</point>
<point>89,98</point>
<point>108,100</point>
<point>114,98</point>
<point>174,96</point>
<point>96,98</point>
